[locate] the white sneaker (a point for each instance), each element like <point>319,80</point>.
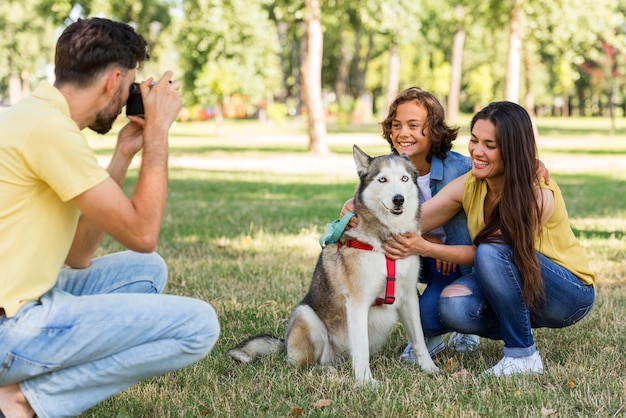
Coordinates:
<point>517,365</point>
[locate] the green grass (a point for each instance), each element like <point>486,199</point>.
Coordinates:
<point>247,242</point>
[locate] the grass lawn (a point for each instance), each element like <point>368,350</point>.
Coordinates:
<point>244,216</point>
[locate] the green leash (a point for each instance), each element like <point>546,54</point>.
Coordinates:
<point>335,229</point>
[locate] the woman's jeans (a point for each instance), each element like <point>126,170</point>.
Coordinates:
<point>99,331</point>
<point>496,309</point>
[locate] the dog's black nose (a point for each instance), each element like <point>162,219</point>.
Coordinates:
<point>398,200</point>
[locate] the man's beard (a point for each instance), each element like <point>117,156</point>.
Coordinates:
<point>105,118</point>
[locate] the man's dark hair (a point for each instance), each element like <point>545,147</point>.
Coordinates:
<point>90,46</point>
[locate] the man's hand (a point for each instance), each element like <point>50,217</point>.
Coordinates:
<point>161,101</point>
<point>349,207</point>
<point>130,137</point>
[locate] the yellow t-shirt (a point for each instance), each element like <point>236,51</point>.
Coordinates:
<point>45,161</point>
<point>557,241</point>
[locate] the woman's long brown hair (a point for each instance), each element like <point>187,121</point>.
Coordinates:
<point>516,219</point>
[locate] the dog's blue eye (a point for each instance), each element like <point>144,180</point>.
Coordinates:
<point>382,180</point>
<point>405,178</point>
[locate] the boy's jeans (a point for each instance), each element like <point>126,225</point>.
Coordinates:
<point>99,331</point>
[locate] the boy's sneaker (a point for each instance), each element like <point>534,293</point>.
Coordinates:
<point>517,365</point>
<point>464,343</point>
<point>433,344</point>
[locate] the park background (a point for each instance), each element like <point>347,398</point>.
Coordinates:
<point>276,93</point>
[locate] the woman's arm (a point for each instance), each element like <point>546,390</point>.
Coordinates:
<point>406,244</point>
<point>443,206</point>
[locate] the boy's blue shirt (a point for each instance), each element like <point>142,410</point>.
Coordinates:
<point>441,173</point>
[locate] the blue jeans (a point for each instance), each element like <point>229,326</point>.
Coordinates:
<point>99,331</point>
<point>496,309</point>
<point>429,299</point>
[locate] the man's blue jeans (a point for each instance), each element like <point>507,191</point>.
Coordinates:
<point>99,331</point>
<point>496,309</point>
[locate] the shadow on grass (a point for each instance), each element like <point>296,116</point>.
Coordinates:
<point>211,204</point>
<point>235,204</point>
<point>593,196</point>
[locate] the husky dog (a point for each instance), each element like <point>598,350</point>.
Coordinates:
<point>344,314</point>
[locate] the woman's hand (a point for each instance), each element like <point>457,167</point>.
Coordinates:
<point>402,246</point>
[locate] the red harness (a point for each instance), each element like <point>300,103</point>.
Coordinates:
<point>390,289</point>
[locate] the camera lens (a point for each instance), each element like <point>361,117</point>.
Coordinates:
<point>134,104</point>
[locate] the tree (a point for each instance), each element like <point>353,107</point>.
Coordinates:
<point>148,17</point>
<point>226,48</point>
<point>554,31</point>
<point>312,77</point>
<point>456,63</point>
<point>511,88</point>
<point>25,46</point>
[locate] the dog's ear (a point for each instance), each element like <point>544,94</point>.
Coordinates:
<point>361,159</point>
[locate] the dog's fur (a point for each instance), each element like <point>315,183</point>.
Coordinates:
<point>336,319</point>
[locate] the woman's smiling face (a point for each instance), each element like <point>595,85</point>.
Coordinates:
<point>484,151</point>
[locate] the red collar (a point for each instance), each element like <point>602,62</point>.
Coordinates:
<point>391,271</point>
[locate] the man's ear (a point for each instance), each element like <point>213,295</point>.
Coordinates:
<point>113,80</point>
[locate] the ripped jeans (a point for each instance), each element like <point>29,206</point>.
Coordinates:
<point>495,308</point>
<point>100,330</point>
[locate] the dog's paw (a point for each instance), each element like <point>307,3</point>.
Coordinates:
<point>431,370</point>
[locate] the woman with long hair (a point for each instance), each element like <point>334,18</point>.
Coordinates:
<point>530,271</point>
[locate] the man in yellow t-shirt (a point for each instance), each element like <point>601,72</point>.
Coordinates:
<point>71,324</point>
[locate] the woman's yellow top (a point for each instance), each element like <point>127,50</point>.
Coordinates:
<point>557,241</point>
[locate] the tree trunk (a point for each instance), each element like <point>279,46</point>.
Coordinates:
<point>361,71</point>
<point>456,63</point>
<point>529,100</point>
<point>311,70</point>
<point>343,72</point>
<point>514,59</point>
<point>15,89</point>
<point>25,83</point>
<point>281,28</point>
<point>393,80</point>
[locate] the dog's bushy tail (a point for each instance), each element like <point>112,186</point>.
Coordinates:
<point>254,347</point>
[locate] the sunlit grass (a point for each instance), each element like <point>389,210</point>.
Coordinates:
<point>247,242</point>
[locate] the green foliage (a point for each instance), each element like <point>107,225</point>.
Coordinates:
<point>278,112</point>
<point>148,17</point>
<point>227,47</point>
<point>253,48</point>
<point>25,43</point>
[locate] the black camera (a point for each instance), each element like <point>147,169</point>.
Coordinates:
<point>134,104</point>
